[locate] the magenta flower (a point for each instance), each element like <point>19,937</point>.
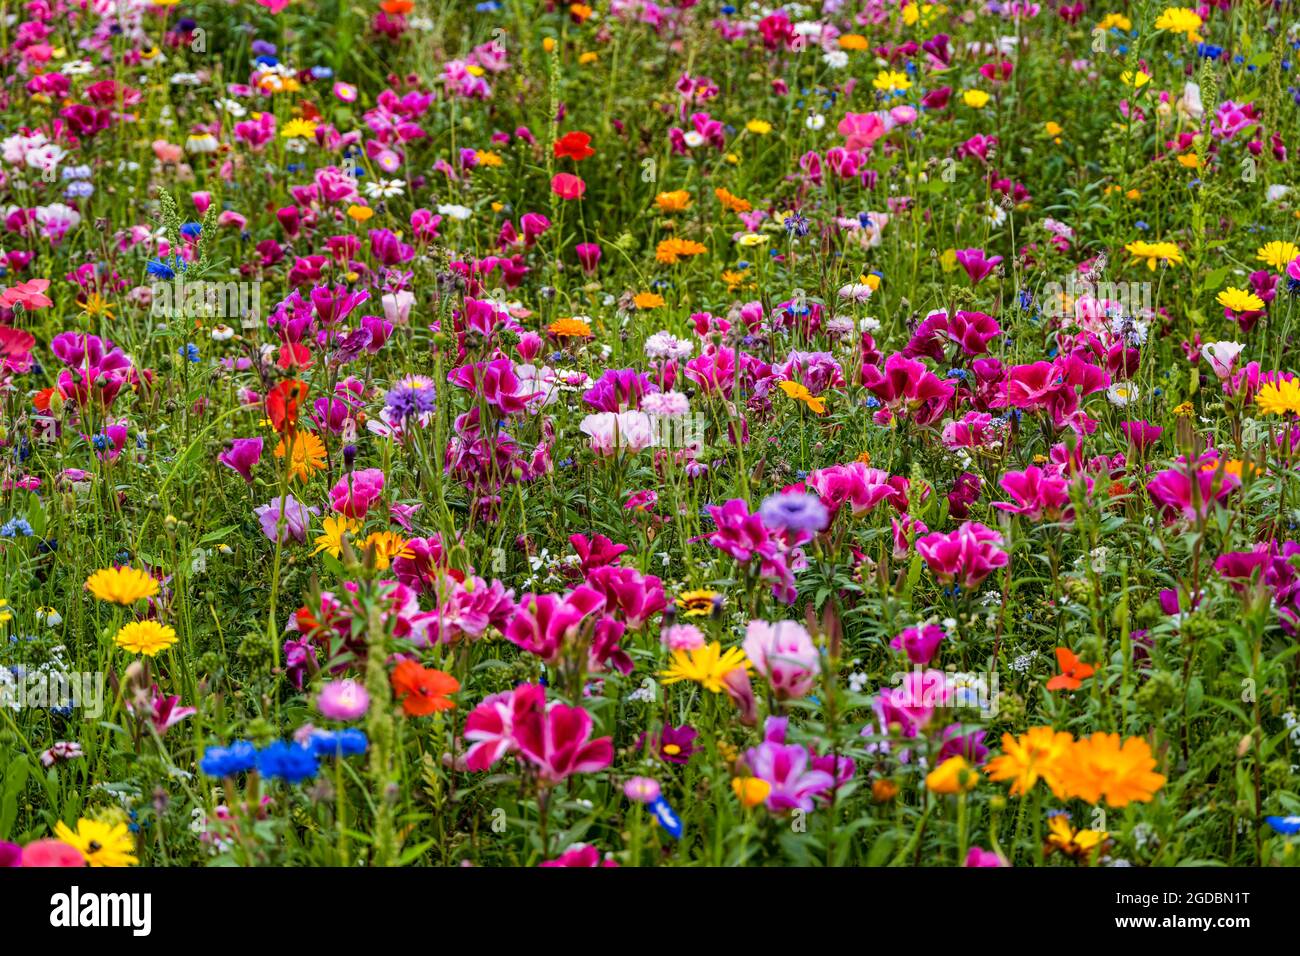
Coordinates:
<point>558,743</point>
<point>163,711</point>
<point>909,389</point>
<point>964,557</point>
<point>354,493</point>
<point>589,254</point>
<point>977,265</point>
<point>1141,434</point>
<point>983,858</point>
<point>786,769</point>
<point>242,455</point>
<point>1037,494</point>
<point>489,728</point>
<point>1181,495</point>
<point>642,790</point>
<point>919,643</point>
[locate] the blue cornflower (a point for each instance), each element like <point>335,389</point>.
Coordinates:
<point>189,351</point>
<point>341,743</point>
<point>288,762</point>
<point>191,230</point>
<point>1286,825</point>
<point>228,761</point>
<point>15,527</point>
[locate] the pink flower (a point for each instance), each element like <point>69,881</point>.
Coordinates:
<point>558,743</point>
<point>354,493</point>
<point>343,700</point>
<point>490,726</point>
<point>682,637</point>
<point>1181,495</point>
<point>784,653</point>
<point>919,643</point>
<point>580,856</point>
<point>242,455</point>
<point>51,853</point>
<point>786,769</point>
<point>612,432</point>
<point>861,130</point>
<point>983,858</point>
<point>568,186</point>
<point>1141,434</point>
<point>908,388</point>
<point>964,557</point>
<point>1038,494</point>
<point>977,265</point>
<point>30,295</point>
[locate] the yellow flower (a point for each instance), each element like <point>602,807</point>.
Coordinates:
<point>1239,300</point>
<point>1137,80</point>
<point>1101,766</point>
<point>954,775</point>
<point>1035,756</point>
<point>1154,252</point>
<point>1115,20</point>
<point>948,260</point>
<point>307,454</point>
<point>975,99</point>
<point>1180,20</point>
<point>548,44</point>
<point>679,200</point>
<point>697,603</point>
<point>1279,397</point>
<point>569,329</point>
<point>332,539</point>
<point>670,251</point>
<point>96,305</point>
<point>580,11</point>
<point>706,666</point>
<point>1076,844</point>
<point>647,300</point>
<point>890,81</point>
<point>801,394</point>
<point>102,844</point>
<point>121,585</point>
<point>6,615</point>
<point>1278,254</point>
<point>750,791</point>
<point>145,637</point>
<point>486,157</point>
<point>734,280</point>
<point>387,545</point>
<point>1053,129</point>
<point>298,129</point>
<point>588,58</point>
<point>760,127</point>
<point>359,213</point>
<point>751,239</point>
<point>1188,160</point>
<point>852,41</point>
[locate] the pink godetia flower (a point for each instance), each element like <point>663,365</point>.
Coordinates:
<point>580,857</point>
<point>557,741</point>
<point>1141,434</point>
<point>857,485</point>
<point>595,552</point>
<point>30,295</point>
<point>787,769</point>
<point>861,130</point>
<point>978,857</point>
<point>964,557</point>
<point>977,265</point>
<point>547,624</point>
<point>242,455</point>
<point>971,331</point>
<point>568,186</point>
<point>629,594</point>
<point>1038,495</point>
<point>919,643</point>
<point>1189,491</point>
<point>497,382</point>
<point>907,708</point>
<point>356,491</point>
<point>1223,357</point>
<point>784,653</point>
<point>908,389</point>
<point>612,432</point>
<point>489,728</point>
<point>588,254</point>
<point>906,529</point>
<point>163,711</point>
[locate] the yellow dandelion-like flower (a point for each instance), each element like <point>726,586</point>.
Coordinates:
<point>1279,397</point>
<point>102,844</point>
<point>1154,252</point>
<point>975,99</point>
<point>335,529</point>
<point>1239,300</point>
<point>1278,254</point>
<point>298,129</point>
<point>801,394</point>
<point>706,666</point>
<point>891,81</point>
<point>760,127</point>
<point>145,637</point>
<point>1180,20</point>
<point>387,545</point>
<point>122,586</point>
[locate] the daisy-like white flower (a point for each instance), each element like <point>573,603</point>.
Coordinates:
<point>384,188</point>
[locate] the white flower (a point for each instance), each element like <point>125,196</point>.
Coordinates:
<point>1222,357</point>
<point>836,59</point>
<point>77,68</point>
<point>1277,192</point>
<point>815,122</point>
<point>384,188</point>
<point>231,107</point>
<point>1121,394</point>
<point>454,211</point>
<point>693,139</point>
<point>665,345</point>
<point>222,333</point>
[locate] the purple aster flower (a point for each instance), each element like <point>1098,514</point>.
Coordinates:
<point>297,517</point>
<point>799,512</point>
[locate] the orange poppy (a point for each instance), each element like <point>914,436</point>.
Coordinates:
<point>1073,671</point>
<point>421,690</point>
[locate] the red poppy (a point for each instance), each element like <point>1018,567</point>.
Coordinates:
<point>294,355</point>
<point>1073,671</point>
<point>15,342</point>
<point>282,404</point>
<point>568,186</point>
<point>421,690</point>
<point>574,146</point>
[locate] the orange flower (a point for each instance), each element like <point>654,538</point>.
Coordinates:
<point>397,7</point>
<point>670,251</point>
<point>421,690</point>
<point>1103,766</point>
<point>801,394</point>
<point>679,200</point>
<point>1073,671</point>
<point>569,329</point>
<point>647,300</point>
<point>734,203</point>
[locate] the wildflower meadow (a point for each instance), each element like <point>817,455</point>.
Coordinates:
<point>649,433</point>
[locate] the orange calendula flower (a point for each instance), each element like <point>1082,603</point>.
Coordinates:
<point>387,545</point>
<point>1104,767</point>
<point>647,300</point>
<point>734,203</point>
<point>1076,844</point>
<point>307,454</point>
<point>952,776</point>
<point>671,251</point>
<point>569,329</point>
<point>750,791</point>
<point>801,394</point>
<point>422,690</point>
<point>679,200</point>
<point>1073,671</point>
<point>1036,755</point>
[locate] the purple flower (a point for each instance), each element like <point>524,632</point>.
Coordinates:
<point>800,513</point>
<point>242,455</point>
<point>976,264</point>
<point>785,767</point>
<point>297,517</point>
<point>920,643</point>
